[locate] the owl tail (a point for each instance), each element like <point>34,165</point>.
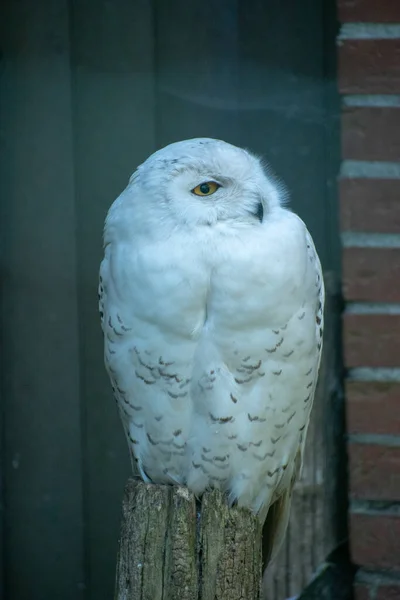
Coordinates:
<point>275,527</point>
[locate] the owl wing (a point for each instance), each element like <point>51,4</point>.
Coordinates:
<point>277,518</point>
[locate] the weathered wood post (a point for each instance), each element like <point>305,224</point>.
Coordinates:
<point>174,548</point>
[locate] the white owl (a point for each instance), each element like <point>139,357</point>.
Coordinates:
<point>211,301</point>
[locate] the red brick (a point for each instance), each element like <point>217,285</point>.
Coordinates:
<point>371,340</point>
<point>361,591</point>
<point>369,66</point>
<point>374,472</point>
<point>369,11</point>
<point>375,540</point>
<point>369,274</point>
<point>370,205</point>
<point>371,133</point>
<point>373,407</point>
<point>388,592</point>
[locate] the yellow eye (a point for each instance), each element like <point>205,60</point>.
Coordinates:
<point>206,189</point>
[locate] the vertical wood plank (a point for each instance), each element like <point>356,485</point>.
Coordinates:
<point>113,100</point>
<point>197,70</point>
<point>42,434</point>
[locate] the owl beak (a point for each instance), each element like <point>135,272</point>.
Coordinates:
<point>260,212</point>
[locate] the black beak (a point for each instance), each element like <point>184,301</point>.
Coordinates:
<point>260,212</point>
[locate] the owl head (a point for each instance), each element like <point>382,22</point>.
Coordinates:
<point>202,182</point>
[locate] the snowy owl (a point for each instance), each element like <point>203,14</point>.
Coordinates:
<point>211,303</point>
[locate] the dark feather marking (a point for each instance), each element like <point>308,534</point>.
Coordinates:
<point>206,449</point>
<point>261,458</point>
<point>307,399</point>
<point>276,346</point>
<point>221,458</point>
<point>252,367</point>
<point>232,437</point>
<point>144,364</point>
<point>234,400</point>
<point>147,381</point>
<point>242,448</point>
<point>159,418</point>
<point>169,375</point>
<point>302,316</point>
<point>177,432</point>
<point>309,385</point>
<point>309,372</point>
<point>277,372</point>
<point>175,396</point>
<point>246,359</point>
<point>288,354</point>
<point>256,444</point>
<point>240,381</point>
<point>209,460</point>
<point>280,425</point>
<point>164,442</point>
<point>275,440</point>
<point>272,473</point>
<point>199,466</point>
<point>165,364</point>
<point>291,417</point>
<point>256,418</point>
<point>221,420</point>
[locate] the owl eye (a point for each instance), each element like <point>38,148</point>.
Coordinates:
<point>206,189</point>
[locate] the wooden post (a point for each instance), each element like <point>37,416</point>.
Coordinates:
<point>173,547</point>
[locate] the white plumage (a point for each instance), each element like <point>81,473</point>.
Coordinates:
<point>212,309</point>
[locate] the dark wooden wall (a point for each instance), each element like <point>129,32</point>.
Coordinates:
<point>88,89</point>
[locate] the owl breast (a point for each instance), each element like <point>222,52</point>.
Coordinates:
<point>212,346</point>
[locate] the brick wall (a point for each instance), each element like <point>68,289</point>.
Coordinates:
<point>369,81</point>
